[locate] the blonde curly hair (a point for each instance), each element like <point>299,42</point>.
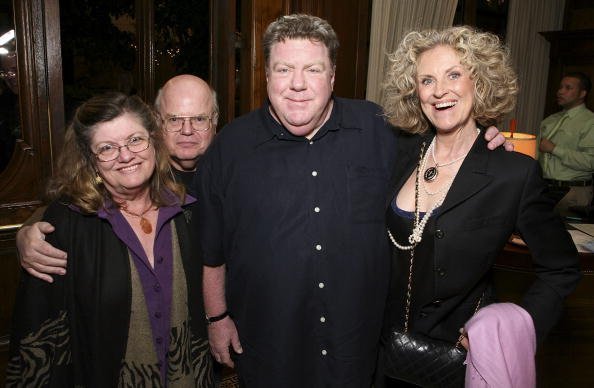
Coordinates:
<point>482,53</point>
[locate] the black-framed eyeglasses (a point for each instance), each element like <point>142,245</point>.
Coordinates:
<point>108,152</point>
<point>198,123</point>
<point>7,74</point>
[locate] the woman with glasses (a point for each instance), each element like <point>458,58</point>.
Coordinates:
<point>128,312</point>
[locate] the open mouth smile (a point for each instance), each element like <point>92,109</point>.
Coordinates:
<point>445,105</point>
<point>129,169</point>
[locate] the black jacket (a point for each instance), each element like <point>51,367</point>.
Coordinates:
<point>83,317</point>
<point>494,194</point>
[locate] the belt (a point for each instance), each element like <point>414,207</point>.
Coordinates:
<point>552,182</point>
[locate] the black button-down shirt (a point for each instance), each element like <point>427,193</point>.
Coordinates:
<point>300,225</point>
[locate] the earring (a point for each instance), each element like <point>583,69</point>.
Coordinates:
<point>98,180</point>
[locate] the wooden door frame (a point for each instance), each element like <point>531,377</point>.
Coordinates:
<point>41,110</point>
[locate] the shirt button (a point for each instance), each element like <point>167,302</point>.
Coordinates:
<point>159,340</point>
<point>311,142</point>
<point>439,233</point>
<point>316,209</point>
<point>158,314</point>
<point>321,285</point>
<point>314,173</point>
<point>322,319</point>
<point>157,287</point>
<point>318,247</point>
<point>324,352</point>
<point>441,272</point>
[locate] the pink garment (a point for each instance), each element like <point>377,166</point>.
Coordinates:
<point>502,347</point>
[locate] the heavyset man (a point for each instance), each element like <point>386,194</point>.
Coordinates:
<point>292,199</point>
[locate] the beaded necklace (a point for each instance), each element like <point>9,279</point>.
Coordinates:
<point>432,172</point>
<point>444,187</point>
<point>419,224</point>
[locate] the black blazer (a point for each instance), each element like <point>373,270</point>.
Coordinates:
<point>494,194</point>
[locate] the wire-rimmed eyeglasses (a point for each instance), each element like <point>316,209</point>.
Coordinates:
<point>198,123</point>
<point>108,152</point>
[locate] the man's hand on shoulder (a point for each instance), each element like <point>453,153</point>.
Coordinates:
<point>495,139</point>
<point>38,257</point>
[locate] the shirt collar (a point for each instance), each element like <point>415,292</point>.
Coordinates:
<point>109,206</point>
<point>277,130</point>
<point>575,110</point>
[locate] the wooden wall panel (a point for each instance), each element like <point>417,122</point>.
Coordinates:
<point>351,19</point>
<point>222,57</point>
<point>255,17</point>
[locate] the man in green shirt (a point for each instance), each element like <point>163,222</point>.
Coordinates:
<point>567,143</point>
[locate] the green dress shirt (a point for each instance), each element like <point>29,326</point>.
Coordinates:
<point>572,131</point>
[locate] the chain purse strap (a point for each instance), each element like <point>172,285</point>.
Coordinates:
<point>412,254</point>
<point>412,251</point>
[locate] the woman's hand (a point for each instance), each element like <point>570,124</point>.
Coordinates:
<point>463,339</point>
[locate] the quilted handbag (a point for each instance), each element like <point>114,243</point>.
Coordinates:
<point>423,361</point>
<point>419,359</point>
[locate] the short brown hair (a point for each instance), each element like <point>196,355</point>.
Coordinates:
<point>300,26</point>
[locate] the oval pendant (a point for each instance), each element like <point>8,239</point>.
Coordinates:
<point>145,225</point>
<point>430,174</point>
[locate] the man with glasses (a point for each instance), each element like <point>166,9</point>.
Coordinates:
<point>189,113</point>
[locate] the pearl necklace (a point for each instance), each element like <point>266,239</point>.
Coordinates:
<point>419,224</point>
<point>431,173</point>
<point>444,187</point>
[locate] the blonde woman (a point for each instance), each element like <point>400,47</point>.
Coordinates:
<point>454,202</point>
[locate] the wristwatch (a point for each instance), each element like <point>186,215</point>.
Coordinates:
<point>216,318</point>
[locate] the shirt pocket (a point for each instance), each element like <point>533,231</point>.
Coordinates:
<point>367,190</point>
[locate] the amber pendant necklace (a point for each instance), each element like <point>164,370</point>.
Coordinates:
<point>145,224</point>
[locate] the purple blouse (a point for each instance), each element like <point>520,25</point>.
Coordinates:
<point>156,282</point>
